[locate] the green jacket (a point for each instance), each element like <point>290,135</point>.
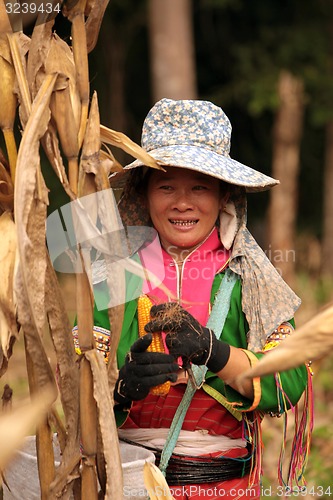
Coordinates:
<point>234,332</point>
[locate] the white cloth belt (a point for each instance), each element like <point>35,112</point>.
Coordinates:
<point>191,443</point>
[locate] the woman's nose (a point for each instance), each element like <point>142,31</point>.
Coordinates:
<point>183,201</point>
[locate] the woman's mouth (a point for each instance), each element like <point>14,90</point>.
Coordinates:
<point>184,223</point>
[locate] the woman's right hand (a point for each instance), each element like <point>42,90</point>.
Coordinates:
<point>142,371</point>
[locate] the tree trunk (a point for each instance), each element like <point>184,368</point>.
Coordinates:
<point>172,49</point>
<point>327,241</point>
<point>282,211</point>
<point>327,249</point>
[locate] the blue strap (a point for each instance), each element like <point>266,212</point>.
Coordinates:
<point>216,323</point>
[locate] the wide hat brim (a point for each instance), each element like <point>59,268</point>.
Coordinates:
<point>205,161</point>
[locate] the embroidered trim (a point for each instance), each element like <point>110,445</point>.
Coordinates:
<point>102,340</point>
<point>279,334</point>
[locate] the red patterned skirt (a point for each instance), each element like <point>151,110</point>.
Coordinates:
<point>204,413</point>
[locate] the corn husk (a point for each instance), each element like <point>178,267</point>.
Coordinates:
<point>8,264</point>
<point>310,342</point>
<point>6,190</point>
<point>94,11</point>
<point>5,26</point>
<point>79,43</point>
<point>155,483</point>
<point>60,60</point>
<point>8,102</point>
<point>65,105</point>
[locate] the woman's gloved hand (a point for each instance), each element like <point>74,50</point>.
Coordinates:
<point>142,371</point>
<point>187,338</point>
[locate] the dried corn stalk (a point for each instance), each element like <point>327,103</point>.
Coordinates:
<point>51,88</point>
<point>107,213</point>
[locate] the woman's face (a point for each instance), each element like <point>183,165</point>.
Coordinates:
<point>183,206</point>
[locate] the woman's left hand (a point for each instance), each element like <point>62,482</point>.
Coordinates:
<point>187,338</point>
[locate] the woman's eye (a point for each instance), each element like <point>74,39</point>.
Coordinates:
<point>199,188</point>
<point>165,187</point>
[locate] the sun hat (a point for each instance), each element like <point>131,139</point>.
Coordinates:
<point>196,134</point>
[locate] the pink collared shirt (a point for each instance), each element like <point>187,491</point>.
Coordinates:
<point>190,284</point>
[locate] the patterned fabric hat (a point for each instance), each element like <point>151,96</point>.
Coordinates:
<point>196,134</point>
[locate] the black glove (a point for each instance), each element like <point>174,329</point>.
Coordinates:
<point>142,371</point>
<point>187,338</point>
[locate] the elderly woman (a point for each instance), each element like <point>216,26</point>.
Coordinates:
<point>219,306</point>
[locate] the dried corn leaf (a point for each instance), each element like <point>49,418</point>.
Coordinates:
<point>155,483</point>
<point>79,45</point>
<point>65,103</point>
<point>8,98</point>
<point>60,60</point>
<point>8,102</point>
<point>92,140</point>
<point>94,21</point>
<point>8,262</point>
<point>110,222</point>
<point>114,490</point>
<point>5,26</point>
<point>19,46</point>
<point>5,49</point>
<point>3,160</point>
<point>40,375</point>
<point>42,372</point>
<point>311,341</point>
<point>6,190</point>
<point>31,197</point>
<point>30,215</point>
<point>68,379</point>
<point>5,179</point>
<point>50,54</point>
<point>14,426</point>
<point>39,49</point>
<point>123,142</point>
<point>50,145</point>
<point>109,162</point>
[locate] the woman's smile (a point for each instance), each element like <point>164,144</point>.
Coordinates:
<point>184,223</point>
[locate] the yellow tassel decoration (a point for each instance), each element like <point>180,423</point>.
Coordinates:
<point>144,306</point>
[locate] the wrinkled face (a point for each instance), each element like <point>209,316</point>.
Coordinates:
<point>183,206</point>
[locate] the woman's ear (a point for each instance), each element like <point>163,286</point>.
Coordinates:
<point>225,199</point>
<point>225,190</point>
